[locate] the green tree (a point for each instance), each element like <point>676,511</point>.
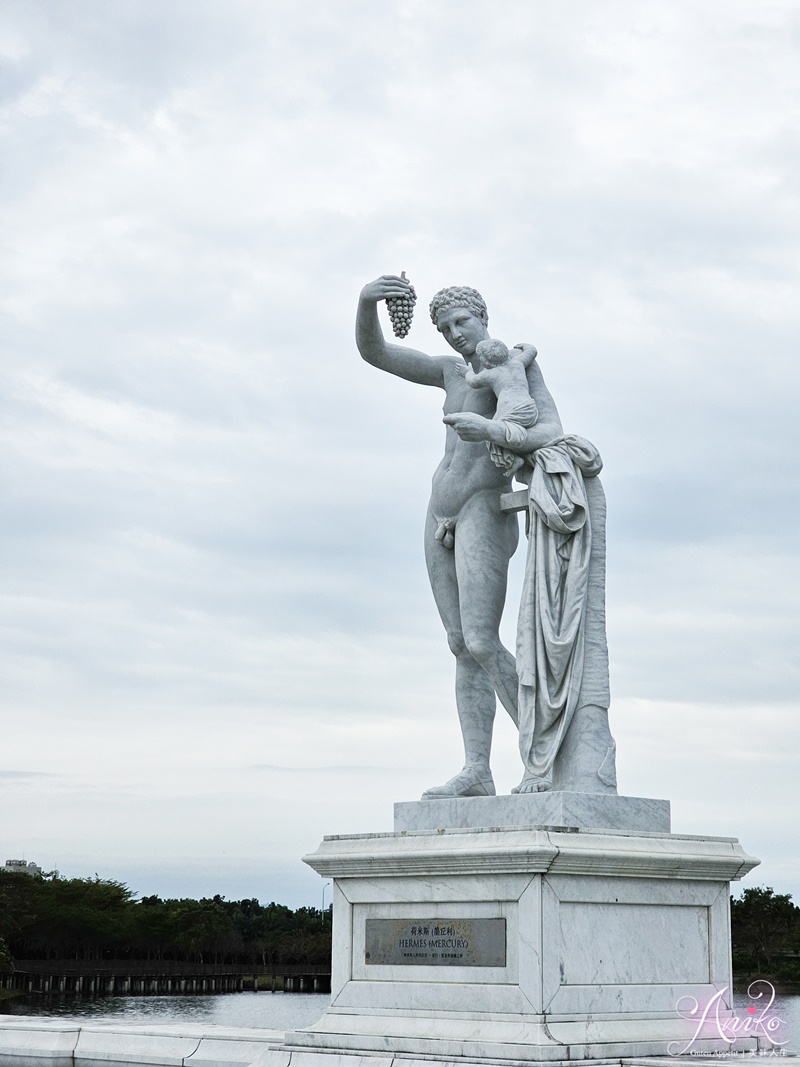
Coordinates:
<point>203,928</point>
<point>94,918</point>
<point>6,959</point>
<point>764,925</point>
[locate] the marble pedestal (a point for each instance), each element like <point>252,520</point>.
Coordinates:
<point>524,939</point>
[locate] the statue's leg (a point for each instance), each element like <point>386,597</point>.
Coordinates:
<point>485,542</point>
<point>475,697</point>
<point>586,761</point>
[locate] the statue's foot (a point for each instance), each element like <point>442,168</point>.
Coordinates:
<point>471,782</point>
<point>531,784</point>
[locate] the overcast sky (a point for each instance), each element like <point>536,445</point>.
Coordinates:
<point>218,639</point>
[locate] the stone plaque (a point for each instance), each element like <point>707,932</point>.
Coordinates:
<point>436,942</point>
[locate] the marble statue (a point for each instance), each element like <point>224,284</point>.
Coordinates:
<point>501,420</point>
<point>506,375</point>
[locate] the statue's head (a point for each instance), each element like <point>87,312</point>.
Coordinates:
<point>459,313</point>
<point>459,296</point>
<point>492,353</point>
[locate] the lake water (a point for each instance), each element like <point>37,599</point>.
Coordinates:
<point>276,1011</point>
<point>270,1011</point>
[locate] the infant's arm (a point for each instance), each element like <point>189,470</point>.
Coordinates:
<point>481,380</point>
<point>524,354</point>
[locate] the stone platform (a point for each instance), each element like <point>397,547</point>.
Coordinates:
<point>517,943</point>
<point>582,811</point>
<point>30,1041</point>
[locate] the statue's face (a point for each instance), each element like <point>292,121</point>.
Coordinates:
<point>461,329</point>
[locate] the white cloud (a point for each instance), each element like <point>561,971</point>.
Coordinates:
<point>213,508</point>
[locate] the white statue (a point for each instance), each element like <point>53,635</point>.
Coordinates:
<point>560,698</point>
<point>506,375</point>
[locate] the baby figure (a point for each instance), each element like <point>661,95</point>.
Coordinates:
<point>505,373</point>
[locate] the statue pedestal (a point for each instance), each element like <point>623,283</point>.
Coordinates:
<point>525,939</point>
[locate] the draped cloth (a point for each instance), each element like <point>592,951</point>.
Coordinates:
<point>562,659</point>
<point>514,423</point>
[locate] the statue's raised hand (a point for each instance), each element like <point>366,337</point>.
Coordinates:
<point>387,285</point>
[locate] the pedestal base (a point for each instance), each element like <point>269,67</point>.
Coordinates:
<point>579,811</point>
<point>523,944</point>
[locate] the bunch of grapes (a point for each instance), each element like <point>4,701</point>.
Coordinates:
<point>401,310</point>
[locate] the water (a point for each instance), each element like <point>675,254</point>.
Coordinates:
<point>276,1011</point>
<point>786,1007</point>
<point>269,1011</point>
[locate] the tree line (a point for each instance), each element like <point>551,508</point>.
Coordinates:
<point>765,930</point>
<point>93,919</point>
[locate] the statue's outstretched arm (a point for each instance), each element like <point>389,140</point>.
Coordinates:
<point>473,427</point>
<point>407,363</point>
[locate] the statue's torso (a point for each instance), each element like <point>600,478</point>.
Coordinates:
<point>466,467</point>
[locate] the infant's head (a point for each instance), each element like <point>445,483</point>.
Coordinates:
<point>491,353</point>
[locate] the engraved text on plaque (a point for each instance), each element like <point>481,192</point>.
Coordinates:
<point>436,942</point>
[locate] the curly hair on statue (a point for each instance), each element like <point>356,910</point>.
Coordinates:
<point>459,296</point>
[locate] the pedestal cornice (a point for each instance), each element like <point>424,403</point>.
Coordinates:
<point>539,850</point>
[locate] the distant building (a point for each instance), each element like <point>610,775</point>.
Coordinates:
<point>22,867</point>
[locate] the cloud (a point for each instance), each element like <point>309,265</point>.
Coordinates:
<point>14,776</point>
<point>212,508</point>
